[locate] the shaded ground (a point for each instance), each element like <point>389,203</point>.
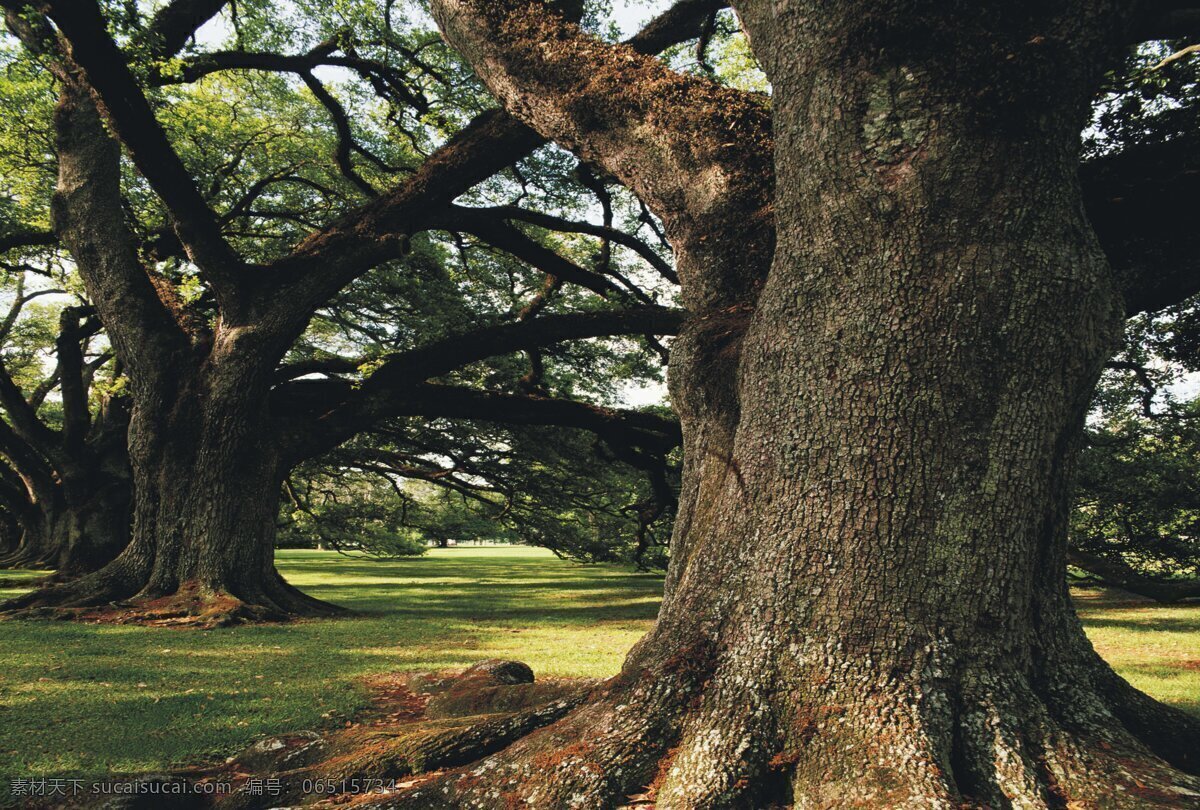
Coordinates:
<point>87,701</point>
<point>90,700</point>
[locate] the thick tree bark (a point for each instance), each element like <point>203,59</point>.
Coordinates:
<point>203,453</point>
<point>206,482</point>
<point>866,602</point>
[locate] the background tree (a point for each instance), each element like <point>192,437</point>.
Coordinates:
<point>350,512</point>
<point>559,489</point>
<point>1136,522</point>
<point>63,461</point>
<point>254,239</point>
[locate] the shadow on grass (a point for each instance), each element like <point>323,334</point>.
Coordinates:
<point>88,701</point>
<point>1144,624</point>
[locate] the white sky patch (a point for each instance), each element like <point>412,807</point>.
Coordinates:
<point>641,393</point>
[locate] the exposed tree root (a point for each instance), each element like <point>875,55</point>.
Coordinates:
<point>600,755</point>
<point>109,597</point>
<point>979,739</point>
<point>1170,733</point>
<point>410,742</point>
<point>102,588</point>
<point>28,559</point>
<point>983,737</point>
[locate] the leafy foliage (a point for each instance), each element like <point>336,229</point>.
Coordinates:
<point>1138,496</point>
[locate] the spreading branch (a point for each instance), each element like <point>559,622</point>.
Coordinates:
<point>89,218</point>
<point>341,410</point>
<point>27,238</point>
<point>485,225</point>
<point>329,259</point>
<point>1116,572</point>
<point>698,153</point>
<point>129,113</point>
<point>616,235</point>
<point>636,428</point>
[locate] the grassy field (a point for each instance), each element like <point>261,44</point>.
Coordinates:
<point>85,701</point>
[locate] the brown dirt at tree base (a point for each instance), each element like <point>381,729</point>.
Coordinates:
<point>476,739</point>
<point>417,727</point>
<point>191,606</point>
<point>182,613</point>
<point>392,746</point>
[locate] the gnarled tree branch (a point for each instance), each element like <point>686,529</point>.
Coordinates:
<point>341,410</point>
<point>129,113</point>
<point>698,153</point>
<point>330,258</point>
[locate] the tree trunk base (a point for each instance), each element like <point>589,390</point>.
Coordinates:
<point>28,560</point>
<point>987,742</point>
<point>109,597</point>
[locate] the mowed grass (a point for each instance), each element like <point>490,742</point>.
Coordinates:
<point>87,701</point>
<point>92,700</point>
<point>1154,647</point>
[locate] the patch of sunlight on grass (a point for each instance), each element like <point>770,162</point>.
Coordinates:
<point>88,701</point>
<point>1154,647</point>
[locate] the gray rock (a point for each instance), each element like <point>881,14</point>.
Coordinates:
<point>498,672</point>
<point>280,753</point>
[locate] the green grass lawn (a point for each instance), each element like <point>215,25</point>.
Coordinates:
<point>88,700</point>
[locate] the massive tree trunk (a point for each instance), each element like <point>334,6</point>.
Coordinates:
<point>207,477</point>
<point>866,603</point>
<point>203,451</point>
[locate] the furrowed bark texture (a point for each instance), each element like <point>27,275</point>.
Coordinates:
<point>866,603</point>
